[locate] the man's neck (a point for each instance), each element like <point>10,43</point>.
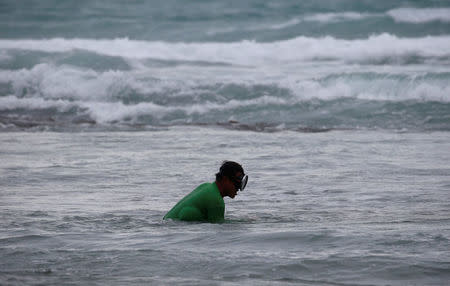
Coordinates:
<point>220,187</point>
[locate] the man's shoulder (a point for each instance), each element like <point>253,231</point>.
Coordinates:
<point>205,187</point>
<point>208,190</point>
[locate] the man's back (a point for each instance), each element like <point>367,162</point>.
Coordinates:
<point>203,204</point>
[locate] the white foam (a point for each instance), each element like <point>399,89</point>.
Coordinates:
<point>69,83</point>
<point>106,112</point>
<point>338,17</point>
<point>4,56</point>
<point>420,15</point>
<point>47,85</point>
<point>287,24</point>
<point>376,89</point>
<point>102,94</point>
<point>11,102</point>
<point>378,47</point>
<point>321,18</point>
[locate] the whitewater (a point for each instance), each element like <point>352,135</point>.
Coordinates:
<point>157,75</point>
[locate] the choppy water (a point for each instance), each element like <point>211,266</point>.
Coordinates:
<point>312,64</point>
<point>111,111</point>
<point>336,208</point>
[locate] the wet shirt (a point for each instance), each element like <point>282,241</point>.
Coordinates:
<point>203,204</point>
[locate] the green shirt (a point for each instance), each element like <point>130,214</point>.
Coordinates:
<point>203,204</point>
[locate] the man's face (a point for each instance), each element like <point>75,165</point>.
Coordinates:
<point>232,190</point>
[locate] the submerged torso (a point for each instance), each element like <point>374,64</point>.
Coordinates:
<point>203,204</point>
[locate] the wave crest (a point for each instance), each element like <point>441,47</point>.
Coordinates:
<point>374,48</point>
<point>420,15</point>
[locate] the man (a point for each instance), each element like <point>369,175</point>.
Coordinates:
<point>205,203</point>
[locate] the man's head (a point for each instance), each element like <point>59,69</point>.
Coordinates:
<point>231,178</point>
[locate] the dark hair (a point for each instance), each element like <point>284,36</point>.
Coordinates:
<point>229,169</point>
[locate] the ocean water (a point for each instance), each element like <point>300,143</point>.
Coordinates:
<point>111,111</point>
<point>291,65</point>
<point>331,208</point>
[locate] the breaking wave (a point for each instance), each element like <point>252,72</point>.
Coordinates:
<point>420,15</point>
<point>384,47</point>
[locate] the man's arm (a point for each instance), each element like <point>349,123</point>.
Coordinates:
<point>216,214</point>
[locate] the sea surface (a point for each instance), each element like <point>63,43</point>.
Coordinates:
<point>111,111</point>
<point>332,208</point>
